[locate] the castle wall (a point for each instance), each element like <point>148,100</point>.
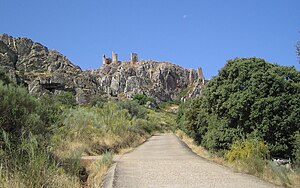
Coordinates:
<point>114,57</point>
<point>134,58</point>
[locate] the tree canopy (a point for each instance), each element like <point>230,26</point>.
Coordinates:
<point>249,96</point>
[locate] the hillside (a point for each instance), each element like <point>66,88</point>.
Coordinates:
<point>43,71</point>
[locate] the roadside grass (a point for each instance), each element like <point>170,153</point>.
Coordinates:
<point>97,169</point>
<point>30,165</point>
<point>103,131</point>
<point>263,169</point>
<point>43,139</point>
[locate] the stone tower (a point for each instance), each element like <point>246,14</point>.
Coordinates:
<point>106,61</point>
<point>133,58</point>
<point>103,60</point>
<point>114,57</point>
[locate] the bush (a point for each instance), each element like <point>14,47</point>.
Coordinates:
<point>134,109</point>
<point>3,77</point>
<point>19,112</point>
<point>25,158</point>
<point>79,124</point>
<point>142,99</point>
<point>251,148</point>
<point>49,111</point>
<point>252,153</point>
<point>67,99</point>
<point>98,101</point>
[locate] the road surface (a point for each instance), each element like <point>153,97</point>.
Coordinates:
<point>164,161</point>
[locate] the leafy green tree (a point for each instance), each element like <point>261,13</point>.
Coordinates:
<point>296,151</point>
<point>249,95</point>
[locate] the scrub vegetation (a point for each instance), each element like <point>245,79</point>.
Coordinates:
<point>42,139</point>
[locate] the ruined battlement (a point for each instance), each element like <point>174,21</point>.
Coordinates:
<point>114,59</point>
<point>134,58</point>
<point>106,61</point>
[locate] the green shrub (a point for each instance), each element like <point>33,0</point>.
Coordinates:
<point>296,150</point>
<point>98,101</point>
<point>142,99</point>
<point>3,77</point>
<point>252,153</point>
<point>66,98</point>
<point>144,125</point>
<point>248,149</point>
<point>78,124</point>
<point>18,112</point>
<point>49,110</point>
<point>134,109</point>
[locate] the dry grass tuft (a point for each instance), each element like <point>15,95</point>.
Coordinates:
<point>271,173</point>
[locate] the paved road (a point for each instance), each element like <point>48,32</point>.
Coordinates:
<point>164,161</point>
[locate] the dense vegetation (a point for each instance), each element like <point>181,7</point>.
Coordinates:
<point>250,99</point>
<point>43,138</point>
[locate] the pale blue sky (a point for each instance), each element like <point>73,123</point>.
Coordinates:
<point>190,33</point>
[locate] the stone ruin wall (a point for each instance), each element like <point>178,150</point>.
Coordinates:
<point>114,59</point>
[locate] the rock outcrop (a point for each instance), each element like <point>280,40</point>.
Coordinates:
<point>47,71</point>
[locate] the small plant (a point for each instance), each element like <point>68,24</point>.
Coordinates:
<point>252,153</point>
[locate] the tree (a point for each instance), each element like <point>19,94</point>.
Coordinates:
<point>248,96</point>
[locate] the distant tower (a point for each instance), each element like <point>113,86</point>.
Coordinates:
<point>133,58</point>
<point>200,75</point>
<point>114,57</point>
<point>103,59</point>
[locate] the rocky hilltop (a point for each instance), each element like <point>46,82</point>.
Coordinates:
<point>47,71</point>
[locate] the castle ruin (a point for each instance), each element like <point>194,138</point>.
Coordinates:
<point>106,61</point>
<point>114,59</point>
<point>133,58</point>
